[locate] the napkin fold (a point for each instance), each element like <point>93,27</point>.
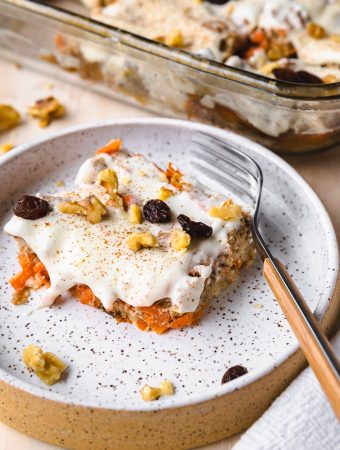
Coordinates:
<point>301,418</point>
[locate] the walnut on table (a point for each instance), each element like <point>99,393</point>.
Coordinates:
<point>46,110</point>
<point>9,117</point>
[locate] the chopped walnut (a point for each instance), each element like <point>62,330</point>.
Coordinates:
<point>316,31</point>
<point>109,180</point>
<point>91,207</point>
<point>136,241</point>
<point>46,110</point>
<point>9,117</point>
<point>5,148</point>
<point>267,68</point>
<point>165,193</point>
<point>227,211</point>
<point>174,39</point>
<point>47,366</point>
<point>116,201</point>
<point>330,78</point>
<point>180,240</point>
<point>135,214</point>
<point>149,393</point>
<point>335,38</point>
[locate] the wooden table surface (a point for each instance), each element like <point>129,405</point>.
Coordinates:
<point>20,87</point>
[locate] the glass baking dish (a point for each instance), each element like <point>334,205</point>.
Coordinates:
<point>282,116</point>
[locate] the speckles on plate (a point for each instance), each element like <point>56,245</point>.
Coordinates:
<point>110,362</point>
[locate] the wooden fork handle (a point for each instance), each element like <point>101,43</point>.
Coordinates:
<point>312,340</point>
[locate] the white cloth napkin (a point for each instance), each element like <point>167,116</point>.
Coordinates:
<point>299,419</point>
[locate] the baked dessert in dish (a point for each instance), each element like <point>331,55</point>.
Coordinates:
<point>224,59</point>
<point>276,38</point>
<point>148,246</point>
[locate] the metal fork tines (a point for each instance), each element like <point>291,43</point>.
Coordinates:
<point>229,166</point>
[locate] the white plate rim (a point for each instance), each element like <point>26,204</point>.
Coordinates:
<point>255,374</point>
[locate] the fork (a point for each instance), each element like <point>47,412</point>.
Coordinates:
<point>230,167</point>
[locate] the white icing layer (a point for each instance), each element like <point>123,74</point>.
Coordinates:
<point>75,251</point>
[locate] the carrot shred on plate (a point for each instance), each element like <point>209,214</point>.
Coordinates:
<point>31,267</point>
<point>111,147</point>
<point>175,176</point>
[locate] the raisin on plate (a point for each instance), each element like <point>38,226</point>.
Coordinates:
<point>156,211</point>
<point>233,372</point>
<point>31,207</point>
<point>194,229</point>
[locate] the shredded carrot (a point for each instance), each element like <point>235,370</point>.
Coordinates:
<point>61,44</point>
<point>142,325</point>
<point>85,295</point>
<point>175,176</point>
<point>259,40</point>
<point>59,41</point>
<point>149,317</point>
<point>19,280</point>
<point>128,200</point>
<point>31,267</point>
<point>182,321</point>
<point>259,37</point>
<point>111,147</point>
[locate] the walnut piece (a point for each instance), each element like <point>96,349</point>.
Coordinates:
<point>136,241</point>
<point>227,211</point>
<point>46,110</point>
<point>47,366</point>
<point>91,207</point>
<point>180,240</point>
<point>165,193</point>
<point>109,180</point>
<point>149,393</point>
<point>5,148</point>
<point>174,39</point>
<point>9,117</point>
<point>135,214</point>
<point>316,31</point>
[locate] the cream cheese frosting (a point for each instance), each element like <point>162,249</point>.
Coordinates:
<point>76,252</point>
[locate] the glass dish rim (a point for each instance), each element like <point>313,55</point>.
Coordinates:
<point>252,80</point>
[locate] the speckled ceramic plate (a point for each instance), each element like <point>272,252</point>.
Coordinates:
<point>108,363</point>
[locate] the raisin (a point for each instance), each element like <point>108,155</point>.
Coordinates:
<point>284,74</point>
<point>156,211</point>
<point>31,207</point>
<point>217,2</point>
<point>194,229</point>
<point>223,45</point>
<point>307,78</point>
<point>301,76</point>
<point>233,372</point>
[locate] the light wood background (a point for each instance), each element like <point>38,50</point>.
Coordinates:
<point>20,87</point>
